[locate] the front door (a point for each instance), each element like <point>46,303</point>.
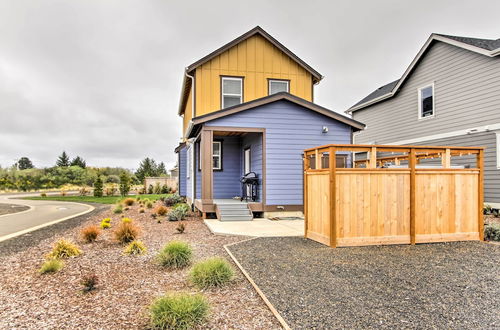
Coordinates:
<point>246,167</point>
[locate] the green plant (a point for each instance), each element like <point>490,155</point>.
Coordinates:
<point>172,199</point>
<point>135,248</point>
<point>181,228</point>
<point>179,212</point>
<point>98,186</point>
<point>150,189</point>
<point>90,233</point>
<point>126,232</point>
<point>157,188</point>
<point>118,209</point>
<point>64,249</point>
<point>149,204</point>
<point>89,282</point>
<point>43,195</point>
<point>128,201</point>
<point>51,266</point>
<point>492,232</point>
<point>211,272</point>
<point>175,254</point>
<point>161,210</point>
<point>124,184</point>
<point>178,311</point>
<point>487,209</point>
<point>106,223</point>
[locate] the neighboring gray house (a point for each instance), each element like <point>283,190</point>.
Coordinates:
<point>449,95</point>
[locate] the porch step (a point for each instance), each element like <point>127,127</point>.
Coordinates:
<point>234,212</point>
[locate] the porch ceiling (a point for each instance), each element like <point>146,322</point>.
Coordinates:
<point>228,133</point>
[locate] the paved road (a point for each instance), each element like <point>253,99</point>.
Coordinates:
<point>40,214</point>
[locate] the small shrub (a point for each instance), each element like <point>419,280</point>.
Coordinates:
<point>149,204</point>
<point>178,311</point>
<point>83,191</point>
<point>43,195</point>
<point>90,233</point>
<point>129,201</point>
<point>175,254</point>
<point>150,189</point>
<point>98,186</point>
<point>126,232</point>
<point>110,190</point>
<point>161,210</point>
<point>492,232</point>
<point>173,199</point>
<point>51,266</point>
<point>141,210</point>
<point>181,228</point>
<point>178,213</point>
<point>106,223</point>
<point>89,282</point>
<point>135,248</point>
<point>157,188</point>
<point>211,272</point>
<point>64,249</point>
<point>165,189</point>
<point>118,209</point>
<point>126,220</point>
<point>138,198</point>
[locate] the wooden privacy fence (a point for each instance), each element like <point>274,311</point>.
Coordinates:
<point>386,194</point>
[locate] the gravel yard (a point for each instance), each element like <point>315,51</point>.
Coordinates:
<point>12,208</point>
<point>445,285</point>
<point>127,284</point>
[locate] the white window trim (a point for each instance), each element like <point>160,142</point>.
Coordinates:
<point>498,149</point>
<point>419,94</point>
<point>280,81</point>
<point>230,94</point>
<point>188,163</point>
<point>219,155</point>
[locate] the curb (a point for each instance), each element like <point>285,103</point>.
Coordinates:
<point>29,230</point>
<point>252,282</point>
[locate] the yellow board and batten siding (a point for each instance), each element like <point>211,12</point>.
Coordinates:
<point>256,60</point>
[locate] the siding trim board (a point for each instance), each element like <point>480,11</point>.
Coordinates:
<point>432,39</point>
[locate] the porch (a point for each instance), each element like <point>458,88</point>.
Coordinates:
<point>222,156</point>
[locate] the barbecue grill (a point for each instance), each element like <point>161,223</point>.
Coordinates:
<point>249,186</point>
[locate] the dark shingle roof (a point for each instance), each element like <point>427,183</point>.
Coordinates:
<point>488,44</point>
<point>378,92</point>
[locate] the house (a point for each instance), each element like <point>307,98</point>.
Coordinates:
<point>248,107</point>
<point>449,95</point>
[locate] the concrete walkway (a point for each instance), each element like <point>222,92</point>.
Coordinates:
<point>40,214</point>
<point>257,227</point>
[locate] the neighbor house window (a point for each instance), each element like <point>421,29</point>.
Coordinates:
<point>426,101</point>
<point>276,86</point>
<point>232,91</point>
<point>216,156</point>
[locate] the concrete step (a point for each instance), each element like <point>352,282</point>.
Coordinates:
<point>245,211</point>
<point>232,206</point>
<point>236,218</point>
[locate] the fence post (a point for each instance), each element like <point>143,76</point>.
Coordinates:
<point>446,158</point>
<point>304,198</point>
<point>480,185</point>
<point>373,157</point>
<point>333,198</point>
<point>412,162</point>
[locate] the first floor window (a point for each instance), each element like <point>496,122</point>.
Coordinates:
<point>232,91</point>
<point>426,101</point>
<point>276,86</point>
<point>217,155</point>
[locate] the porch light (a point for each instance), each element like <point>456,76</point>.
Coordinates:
<point>325,129</point>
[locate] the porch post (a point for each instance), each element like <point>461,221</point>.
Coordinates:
<point>206,166</point>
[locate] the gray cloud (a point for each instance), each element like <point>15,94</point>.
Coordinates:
<point>101,79</point>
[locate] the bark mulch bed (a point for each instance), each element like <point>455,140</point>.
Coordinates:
<point>12,208</point>
<point>445,285</point>
<point>127,285</point>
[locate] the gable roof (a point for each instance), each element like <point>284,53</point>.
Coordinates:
<point>255,31</point>
<point>487,47</point>
<point>198,121</point>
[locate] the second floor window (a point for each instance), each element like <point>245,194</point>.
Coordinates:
<point>232,91</point>
<point>426,102</point>
<point>276,86</point>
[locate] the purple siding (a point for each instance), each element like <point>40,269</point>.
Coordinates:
<point>182,172</point>
<point>290,129</point>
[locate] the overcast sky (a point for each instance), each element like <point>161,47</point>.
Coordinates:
<point>102,79</point>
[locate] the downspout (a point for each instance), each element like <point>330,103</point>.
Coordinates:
<point>192,154</point>
<point>192,96</point>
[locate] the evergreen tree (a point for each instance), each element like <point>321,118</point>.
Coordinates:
<point>98,186</point>
<point>63,160</point>
<point>24,163</point>
<point>124,184</point>
<point>161,169</point>
<point>146,168</point>
<point>78,161</point>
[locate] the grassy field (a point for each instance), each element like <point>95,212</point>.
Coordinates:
<point>92,199</point>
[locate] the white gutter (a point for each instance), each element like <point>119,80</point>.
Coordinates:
<point>192,92</point>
